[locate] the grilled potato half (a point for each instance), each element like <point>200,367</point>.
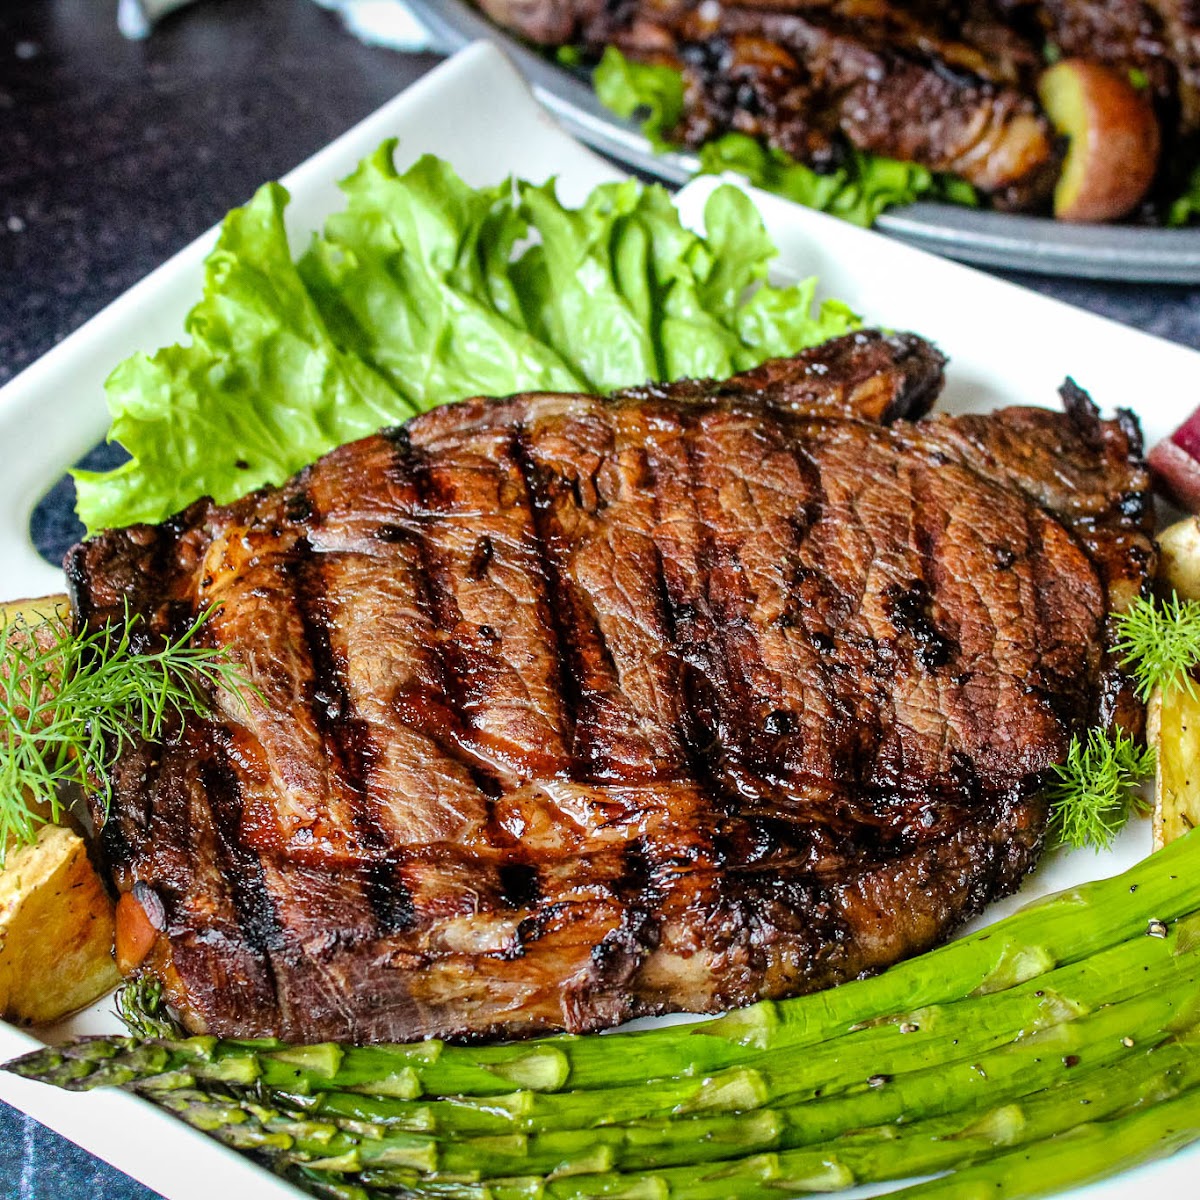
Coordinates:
<point>56,929</point>
<point>1179,558</point>
<point>1173,729</point>
<point>1173,717</point>
<point>56,916</point>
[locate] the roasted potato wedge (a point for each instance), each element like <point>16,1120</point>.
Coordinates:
<point>56,929</point>
<point>1179,558</point>
<point>1173,716</point>
<point>1113,135</point>
<point>56,916</point>
<point>26,618</point>
<point>1173,728</point>
<point>33,611</point>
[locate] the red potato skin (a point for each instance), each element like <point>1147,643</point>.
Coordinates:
<point>1114,140</point>
<point>1177,474</point>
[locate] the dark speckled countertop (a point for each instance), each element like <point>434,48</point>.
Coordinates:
<point>115,154</point>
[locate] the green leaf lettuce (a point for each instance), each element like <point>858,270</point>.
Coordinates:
<point>260,390</point>
<point>653,93</point>
<point>1185,208</point>
<point>421,291</point>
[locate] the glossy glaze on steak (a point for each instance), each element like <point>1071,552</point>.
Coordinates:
<point>575,709</point>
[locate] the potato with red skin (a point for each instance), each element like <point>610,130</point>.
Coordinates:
<point>1113,135</point>
<point>1175,464</point>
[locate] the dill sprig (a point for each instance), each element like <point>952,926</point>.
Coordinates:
<point>1095,792</point>
<point>71,702</point>
<point>1160,643</point>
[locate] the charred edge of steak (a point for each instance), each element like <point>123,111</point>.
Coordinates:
<point>866,375</point>
<point>1093,475</point>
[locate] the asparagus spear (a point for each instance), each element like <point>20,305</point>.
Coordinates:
<point>1026,1065</point>
<point>1013,1071</point>
<point>866,1155</point>
<point>895,1152</point>
<point>1079,1154</point>
<point>936,1033</point>
<point>1080,1052</point>
<point>1082,1155</point>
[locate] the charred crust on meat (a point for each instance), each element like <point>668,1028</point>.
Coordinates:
<point>151,903</point>
<point>617,957</point>
<point>519,888</point>
<point>76,568</point>
<point>1133,505</point>
<point>1084,414</point>
<point>481,557</point>
<point>115,848</point>
<point>345,734</point>
<point>390,899</point>
<point>910,609</point>
<point>299,507</point>
<point>256,913</point>
<point>1131,428</point>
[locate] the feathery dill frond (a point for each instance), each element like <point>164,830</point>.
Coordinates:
<point>71,702</point>
<point>1095,791</point>
<point>1160,643</point>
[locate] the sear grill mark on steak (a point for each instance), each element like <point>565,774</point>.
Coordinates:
<point>572,709</point>
<point>346,736</point>
<point>908,608</point>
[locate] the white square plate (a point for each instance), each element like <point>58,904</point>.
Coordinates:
<point>1006,346</point>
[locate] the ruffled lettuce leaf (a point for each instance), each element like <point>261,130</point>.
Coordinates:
<point>627,293</point>
<point>651,92</point>
<point>260,389</point>
<point>421,291</point>
<point>858,192</point>
<point>415,277</point>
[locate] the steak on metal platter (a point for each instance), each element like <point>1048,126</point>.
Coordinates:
<point>573,709</point>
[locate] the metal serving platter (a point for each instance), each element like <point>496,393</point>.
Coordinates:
<point>1119,252</point>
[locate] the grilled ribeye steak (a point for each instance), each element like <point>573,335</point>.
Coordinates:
<point>574,709</point>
